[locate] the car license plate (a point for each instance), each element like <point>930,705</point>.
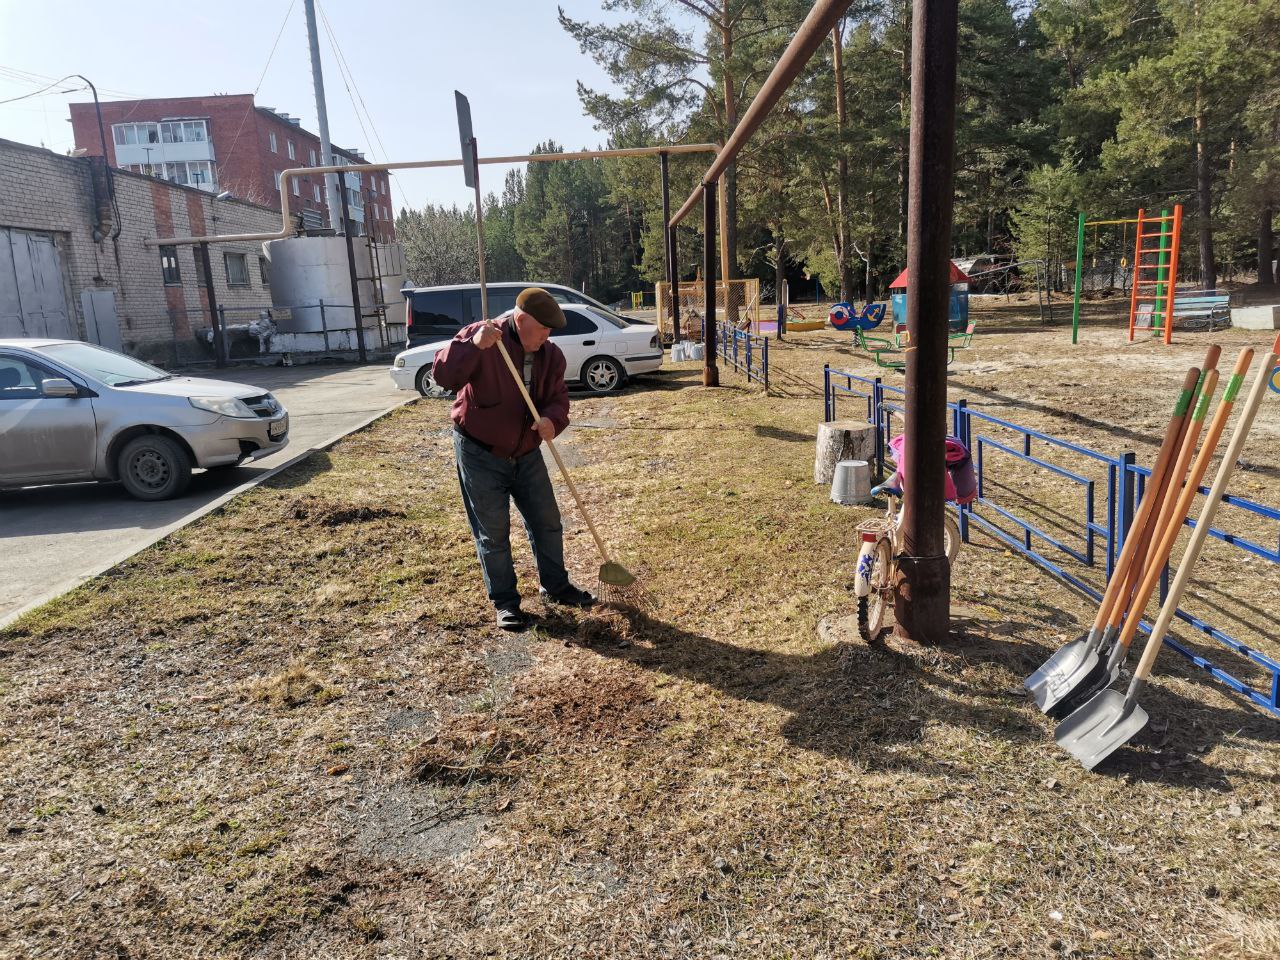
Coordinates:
<point>278,429</point>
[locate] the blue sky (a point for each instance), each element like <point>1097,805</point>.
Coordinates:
<point>511,58</point>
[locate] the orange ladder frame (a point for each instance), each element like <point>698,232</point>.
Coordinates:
<point>1170,283</point>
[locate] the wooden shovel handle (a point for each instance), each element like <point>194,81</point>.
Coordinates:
<point>564,471</point>
<point>1201,532</point>
<point>1172,520</point>
<point>1111,608</point>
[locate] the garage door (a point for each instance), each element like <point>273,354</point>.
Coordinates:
<point>33,299</point>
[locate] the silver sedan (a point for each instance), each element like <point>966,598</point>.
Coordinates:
<point>72,411</point>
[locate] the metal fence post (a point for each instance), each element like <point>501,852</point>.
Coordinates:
<point>1126,499</point>
<point>962,431</point>
<point>827,416</point>
<point>766,364</point>
<point>877,399</point>
<point>324,325</point>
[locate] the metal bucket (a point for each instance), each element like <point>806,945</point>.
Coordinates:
<point>851,482</point>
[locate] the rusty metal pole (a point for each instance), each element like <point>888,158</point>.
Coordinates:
<point>923,585</point>
<point>215,319</point>
<point>710,371</point>
<point>351,268</point>
<point>669,246</point>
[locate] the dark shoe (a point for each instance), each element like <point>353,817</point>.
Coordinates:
<point>513,619</point>
<point>570,596</point>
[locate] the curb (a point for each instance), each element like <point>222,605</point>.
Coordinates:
<point>71,584</point>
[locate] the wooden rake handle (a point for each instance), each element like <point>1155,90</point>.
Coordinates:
<point>1121,582</point>
<point>1201,532</point>
<point>564,471</point>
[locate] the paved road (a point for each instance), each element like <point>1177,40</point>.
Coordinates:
<point>52,538</point>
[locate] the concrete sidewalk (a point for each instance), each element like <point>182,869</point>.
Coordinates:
<point>54,538</point>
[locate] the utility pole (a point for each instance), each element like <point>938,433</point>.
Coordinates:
<point>322,117</point>
<point>710,371</point>
<point>922,602</point>
<point>355,284</point>
<point>669,246</point>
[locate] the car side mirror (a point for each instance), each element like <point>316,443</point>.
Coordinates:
<point>59,387</point>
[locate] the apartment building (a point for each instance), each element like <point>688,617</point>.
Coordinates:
<point>229,144</point>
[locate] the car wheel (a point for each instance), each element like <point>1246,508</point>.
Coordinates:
<point>153,467</point>
<point>427,386</point>
<point>602,374</point>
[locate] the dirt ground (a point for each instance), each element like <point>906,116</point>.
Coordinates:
<point>292,729</point>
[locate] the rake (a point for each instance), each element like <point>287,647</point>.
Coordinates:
<point>615,580</point>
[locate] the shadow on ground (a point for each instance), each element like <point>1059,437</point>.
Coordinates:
<point>867,703</point>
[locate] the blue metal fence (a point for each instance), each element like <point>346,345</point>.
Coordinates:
<point>745,352</point>
<point>1108,490</point>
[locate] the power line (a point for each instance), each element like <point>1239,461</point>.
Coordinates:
<point>245,116</point>
<point>28,76</point>
<point>47,86</point>
<point>343,66</point>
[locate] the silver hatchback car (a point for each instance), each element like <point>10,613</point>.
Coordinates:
<point>72,411</point>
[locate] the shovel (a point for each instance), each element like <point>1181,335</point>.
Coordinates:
<point>1067,668</point>
<point>1110,657</point>
<point>612,574</point>
<point>1110,719</point>
<point>1171,520</point>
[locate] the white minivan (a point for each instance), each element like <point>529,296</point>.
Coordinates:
<point>602,349</point>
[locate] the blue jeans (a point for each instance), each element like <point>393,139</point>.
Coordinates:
<point>489,484</point>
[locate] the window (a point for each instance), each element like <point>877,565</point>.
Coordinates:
<point>315,190</point>
<point>20,381</point>
<point>183,131</point>
<point>576,325</point>
<point>288,145</point>
<point>108,366</point>
<point>264,271</point>
<point>131,134</point>
<point>237,269</point>
<point>271,142</point>
<point>277,180</point>
<point>297,187</point>
<point>383,183</point>
<point>313,158</point>
<point>169,265</point>
<point>436,314</point>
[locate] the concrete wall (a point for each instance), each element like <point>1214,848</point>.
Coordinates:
<point>48,192</point>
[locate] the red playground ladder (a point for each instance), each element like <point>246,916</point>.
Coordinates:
<point>1155,269</point>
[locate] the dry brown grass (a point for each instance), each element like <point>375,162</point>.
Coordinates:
<point>726,774</point>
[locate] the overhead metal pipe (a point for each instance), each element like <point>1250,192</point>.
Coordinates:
<point>811,35</point>
<point>287,176</point>
<point>923,582</point>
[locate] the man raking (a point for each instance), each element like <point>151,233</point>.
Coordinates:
<point>497,446</point>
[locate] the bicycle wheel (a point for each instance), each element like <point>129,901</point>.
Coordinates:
<point>873,607</point>
<point>950,537</point>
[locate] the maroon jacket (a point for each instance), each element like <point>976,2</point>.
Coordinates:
<point>489,408</point>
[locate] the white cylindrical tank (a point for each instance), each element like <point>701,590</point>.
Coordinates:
<point>311,284</point>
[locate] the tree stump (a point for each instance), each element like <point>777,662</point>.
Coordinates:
<point>842,440</point>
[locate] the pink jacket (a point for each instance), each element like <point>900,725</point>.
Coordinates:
<point>489,408</point>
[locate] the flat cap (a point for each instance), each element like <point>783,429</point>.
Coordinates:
<point>541,306</point>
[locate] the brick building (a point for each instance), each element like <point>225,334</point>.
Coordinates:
<point>228,143</point>
<point>73,264</point>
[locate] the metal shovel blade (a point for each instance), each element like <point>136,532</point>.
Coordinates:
<point>1063,684</point>
<point>1102,676</point>
<point>1108,721</point>
<point>1063,661</point>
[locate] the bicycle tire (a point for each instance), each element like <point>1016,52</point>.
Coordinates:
<point>873,607</point>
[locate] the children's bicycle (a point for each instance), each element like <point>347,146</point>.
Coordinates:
<point>882,537</point>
